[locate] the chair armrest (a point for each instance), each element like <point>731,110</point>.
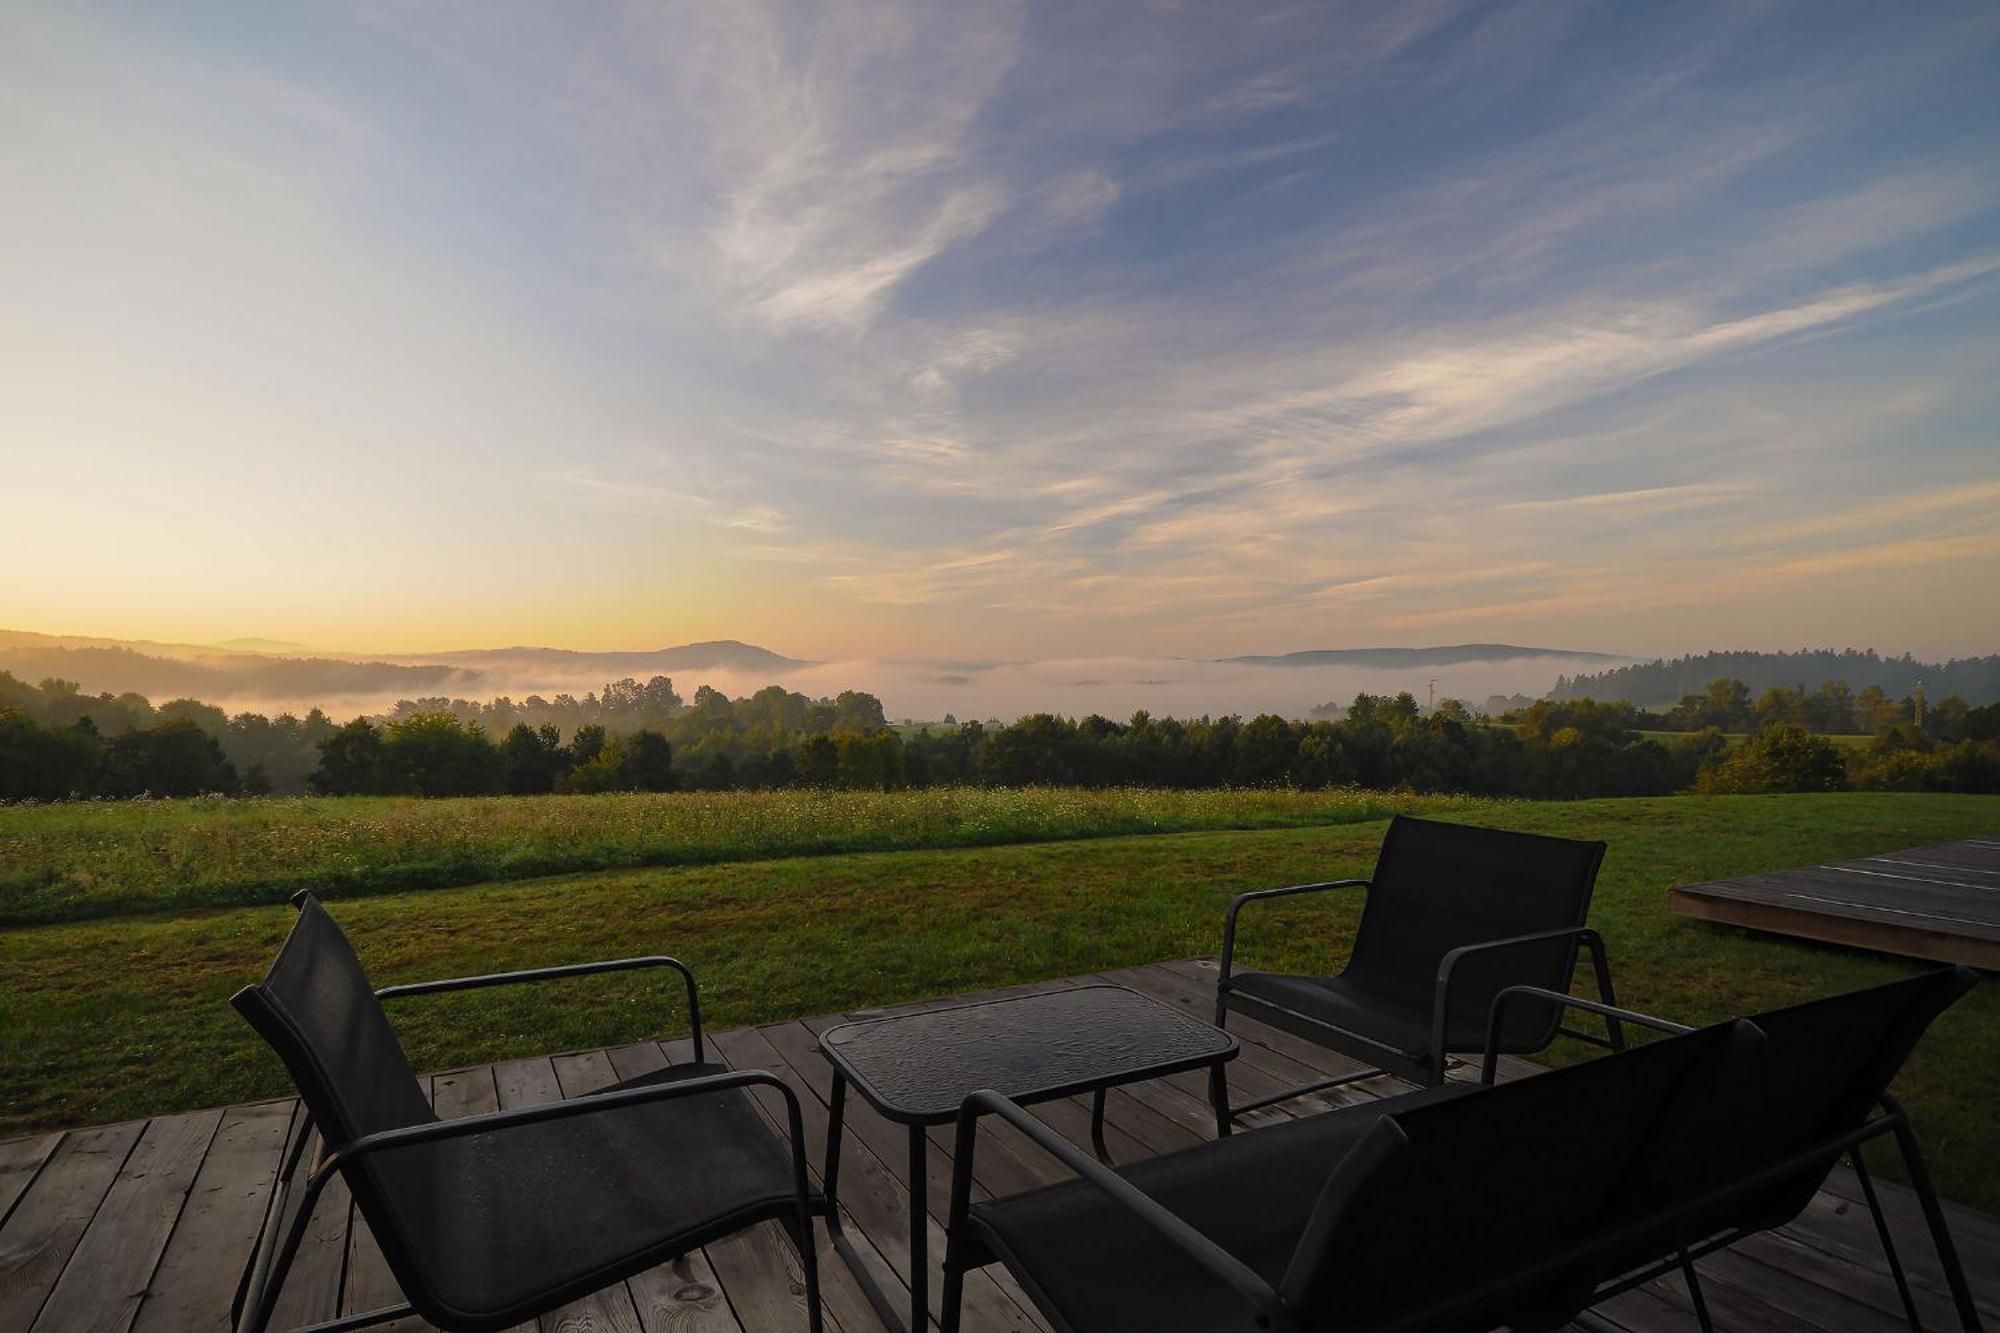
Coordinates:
<point>593,1104</point>
<point>1440,1000</point>
<point>1242,900</point>
<point>1563,1000</point>
<point>536,974</point>
<point>1219,1263</point>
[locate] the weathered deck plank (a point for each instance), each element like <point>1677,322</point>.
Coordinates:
<point>20,1161</point>
<point>53,1214</point>
<point>106,1276</point>
<point>196,1277</point>
<point>1940,902</point>
<point>158,1217</point>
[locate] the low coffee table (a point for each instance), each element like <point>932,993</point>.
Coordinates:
<point>916,1069</point>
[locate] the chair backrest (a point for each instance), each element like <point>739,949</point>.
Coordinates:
<point>1432,1221</point>
<point>1438,886</point>
<point>1824,1068</point>
<point>318,1012</point>
<point>317,1009</point>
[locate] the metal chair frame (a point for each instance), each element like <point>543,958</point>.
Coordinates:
<point>278,1241</point>
<point>1387,1059</point>
<point>1267,1307</point>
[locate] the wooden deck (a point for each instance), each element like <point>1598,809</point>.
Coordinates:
<point>1940,902</point>
<point>146,1226</point>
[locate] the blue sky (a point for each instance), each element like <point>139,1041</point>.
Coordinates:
<point>1003,330</point>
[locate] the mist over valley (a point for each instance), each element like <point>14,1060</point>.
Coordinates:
<point>345,685</point>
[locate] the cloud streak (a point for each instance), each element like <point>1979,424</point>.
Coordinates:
<point>884,326</point>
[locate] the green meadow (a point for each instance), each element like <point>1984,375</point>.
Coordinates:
<point>794,904</point>
<point>78,859</point>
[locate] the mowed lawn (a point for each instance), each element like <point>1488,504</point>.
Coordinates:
<point>108,1019</point>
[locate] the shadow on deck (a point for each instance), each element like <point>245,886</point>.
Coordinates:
<point>146,1226</point>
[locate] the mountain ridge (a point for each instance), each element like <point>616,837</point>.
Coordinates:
<point>165,670</point>
<point>711,654</point>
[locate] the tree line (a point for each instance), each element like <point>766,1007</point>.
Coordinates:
<point>1653,684</point>
<point>58,743</point>
<point>1833,708</point>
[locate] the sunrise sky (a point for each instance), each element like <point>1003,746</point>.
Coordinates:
<point>998,329</point>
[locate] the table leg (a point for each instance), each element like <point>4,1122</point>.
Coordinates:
<point>919,1227</point>
<point>835,1126</point>
<point>885,1308</point>
<point>1218,1096</point>
<point>1097,1127</point>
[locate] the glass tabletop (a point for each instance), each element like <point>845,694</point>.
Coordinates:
<point>919,1067</point>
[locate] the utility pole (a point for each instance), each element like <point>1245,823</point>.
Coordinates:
<point>1920,705</point>
<point>1434,696</point>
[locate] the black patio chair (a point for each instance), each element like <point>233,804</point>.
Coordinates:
<point>1454,913</point>
<point>1823,1076</point>
<point>1464,1207</point>
<point>490,1220</point>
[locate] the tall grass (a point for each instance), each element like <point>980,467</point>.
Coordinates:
<point>78,860</point>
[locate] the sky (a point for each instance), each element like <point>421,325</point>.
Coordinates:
<point>1002,330</point>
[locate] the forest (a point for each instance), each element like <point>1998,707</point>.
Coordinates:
<point>1656,684</point>
<point>58,743</point>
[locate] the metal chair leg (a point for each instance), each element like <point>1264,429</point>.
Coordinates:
<point>1694,1294</point>
<point>1947,1252</point>
<point>269,1267</point>
<point>1600,964</point>
<point>809,1262</point>
<point>1888,1241</point>
<point>954,1283</point>
<point>953,1295</point>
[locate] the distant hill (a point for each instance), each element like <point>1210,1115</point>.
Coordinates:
<point>22,639</point>
<point>222,674</point>
<point>238,673</point>
<point>709,655</point>
<point>1396,658</point>
<point>1662,683</point>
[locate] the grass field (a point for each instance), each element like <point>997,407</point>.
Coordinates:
<point>82,859</point>
<point>111,1018</point>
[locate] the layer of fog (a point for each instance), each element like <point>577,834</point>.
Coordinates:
<point>1113,686</point>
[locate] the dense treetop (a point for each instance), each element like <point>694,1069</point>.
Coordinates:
<point>1655,684</point>
<point>57,743</point>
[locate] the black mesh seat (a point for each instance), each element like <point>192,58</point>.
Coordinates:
<point>1455,1210</point>
<point>490,1220</point>
<point>498,1226</point>
<point>1363,1015</point>
<point>1071,1232</point>
<point>1453,914</point>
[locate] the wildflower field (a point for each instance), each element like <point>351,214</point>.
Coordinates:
<point>80,859</point>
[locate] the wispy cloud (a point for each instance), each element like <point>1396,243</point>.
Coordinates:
<point>1650,499</point>
<point>1129,326</point>
<point>665,500</point>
